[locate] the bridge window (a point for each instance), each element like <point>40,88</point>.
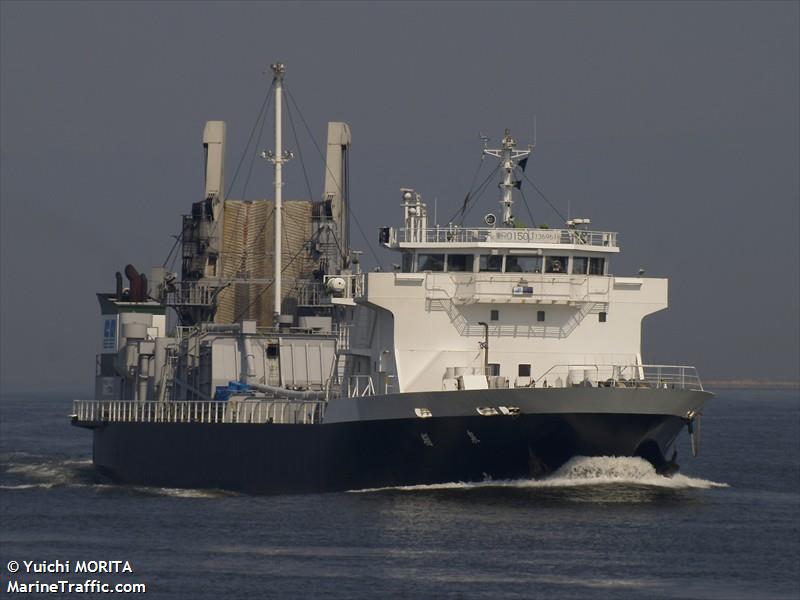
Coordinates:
<point>597,266</point>
<point>431,262</point>
<point>523,264</point>
<point>408,262</point>
<point>555,264</point>
<point>460,262</point>
<point>491,263</point>
<point>580,265</point>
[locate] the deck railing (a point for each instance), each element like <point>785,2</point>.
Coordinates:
<point>469,288</point>
<point>680,377</point>
<point>192,293</point>
<point>304,412</point>
<point>360,385</point>
<point>469,235</point>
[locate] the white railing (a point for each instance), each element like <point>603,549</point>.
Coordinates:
<point>312,294</point>
<point>192,293</point>
<point>304,412</point>
<point>468,235</point>
<point>487,287</point>
<point>360,385</point>
<point>354,284</point>
<point>675,377</point>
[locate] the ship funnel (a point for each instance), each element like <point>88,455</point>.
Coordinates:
<point>336,182</point>
<point>138,287</point>
<point>214,146</point>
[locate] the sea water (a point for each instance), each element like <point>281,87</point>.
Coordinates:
<point>726,527</point>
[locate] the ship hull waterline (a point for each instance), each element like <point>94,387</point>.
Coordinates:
<point>272,458</point>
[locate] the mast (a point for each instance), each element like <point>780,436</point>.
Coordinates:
<point>278,157</point>
<point>278,69</point>
<point>509,157</point>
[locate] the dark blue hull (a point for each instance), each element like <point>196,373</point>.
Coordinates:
<point>283,458</point>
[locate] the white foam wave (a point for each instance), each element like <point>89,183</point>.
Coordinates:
<point>183,492</point>
<point>43,473</point>
<point>583,471</point>
<point>28,472</point>
<point>27,486</point>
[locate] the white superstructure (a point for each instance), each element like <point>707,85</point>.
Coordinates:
<point>543,300</point>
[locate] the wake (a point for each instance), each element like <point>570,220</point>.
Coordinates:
<point>21,471</point>
<point>581,471</point>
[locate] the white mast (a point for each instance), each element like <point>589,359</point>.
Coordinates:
<point>279,70</point>
<point>509,157</point>
<point>278,157</point>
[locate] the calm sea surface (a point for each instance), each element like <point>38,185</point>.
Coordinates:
<point>727,527</point>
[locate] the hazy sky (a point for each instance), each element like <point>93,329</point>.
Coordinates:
<point>675,124</point>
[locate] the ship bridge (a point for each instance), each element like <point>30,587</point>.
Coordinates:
<point>502,299</point>
<point>573,250</point>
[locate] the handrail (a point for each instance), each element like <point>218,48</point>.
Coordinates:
<point>462,235</point>
<point>683,377</point>
<point>360,385</point>
<point>353,284</point>
<point>192,293</point>
<point>567,286</point>
<point>281,411</point>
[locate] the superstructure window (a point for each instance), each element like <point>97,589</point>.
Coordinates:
<point>602,317</point>
<point>460,262</point>
<point>408,262</point>
<point>597,266</point>
<point>491,263</point>
<point>580,265</point>
<point>540,316</point>
<point>555,264</point>
<point>431,262</point>
<point>523,370</point>
<point>494,315</point>
<point>494,370</point>
<point>212,265</point>
<point>523,264</point>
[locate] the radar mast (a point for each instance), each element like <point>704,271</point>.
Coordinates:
<point>509,157</point>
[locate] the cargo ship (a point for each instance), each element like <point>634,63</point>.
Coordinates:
<point>271,362</point>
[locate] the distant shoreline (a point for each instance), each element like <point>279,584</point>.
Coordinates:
<point>751,384</point>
